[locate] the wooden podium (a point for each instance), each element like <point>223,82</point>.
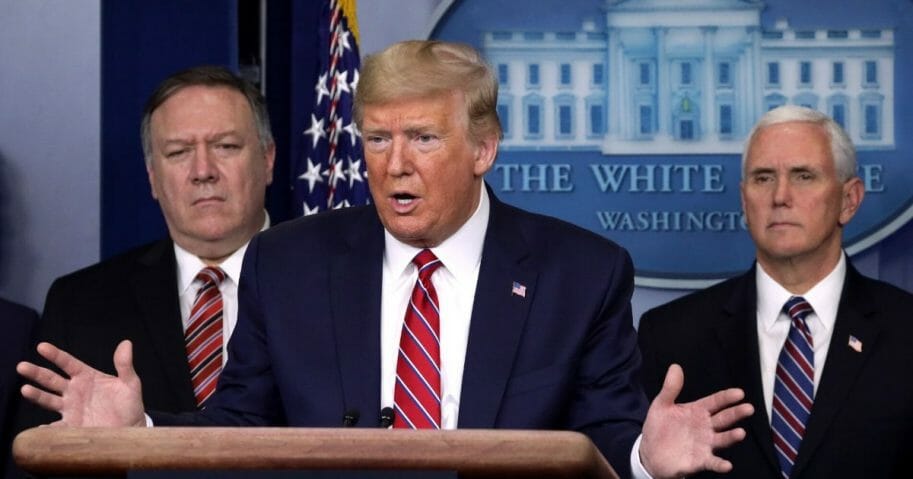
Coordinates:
<point>49,451</point>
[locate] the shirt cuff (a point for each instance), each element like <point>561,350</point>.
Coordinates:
<point>637,468</point>
<point>149,423</point>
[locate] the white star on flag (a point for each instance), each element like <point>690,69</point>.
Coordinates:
<point>335,175</point>
<point>353,132</point>
<point>354,172</point>
<point>321,87</point>
<point>342,83</point>
<point>316,130</point>
<point>312,175</point>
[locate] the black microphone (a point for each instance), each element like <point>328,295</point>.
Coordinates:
<point>350,418</point>
<point>386,417</point>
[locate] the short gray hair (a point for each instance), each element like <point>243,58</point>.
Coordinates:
<point>842,150</point>
<point>209,76</point>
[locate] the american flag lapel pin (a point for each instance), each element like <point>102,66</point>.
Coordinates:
<point>518,290</point>
<point>855,344</point>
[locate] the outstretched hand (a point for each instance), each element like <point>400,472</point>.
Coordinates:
<point>681,439</point>
<point>86,396</point>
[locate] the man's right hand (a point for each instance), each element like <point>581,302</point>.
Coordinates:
<point>87,397</point>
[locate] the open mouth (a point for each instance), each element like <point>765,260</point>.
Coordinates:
<point>403,198</point>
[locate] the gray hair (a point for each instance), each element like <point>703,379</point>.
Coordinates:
<point>842,150</point>
<point>209,76</point>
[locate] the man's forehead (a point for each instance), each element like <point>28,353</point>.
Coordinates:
<point>212,96</point>
<point>202,106</point>
<point>782,141</point>
<point>414,110</point>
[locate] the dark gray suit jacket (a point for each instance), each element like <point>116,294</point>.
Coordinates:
<point>862,418</point>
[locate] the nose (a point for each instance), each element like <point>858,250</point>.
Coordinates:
<point>203,168</point>
<point>782,192</point>
<point>399,162</point>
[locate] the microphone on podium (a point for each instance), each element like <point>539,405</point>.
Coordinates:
<point>386,417</point>
<point>350,418</point>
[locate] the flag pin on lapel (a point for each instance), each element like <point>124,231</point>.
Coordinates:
<point>518,289</point>
<point>855,344</point>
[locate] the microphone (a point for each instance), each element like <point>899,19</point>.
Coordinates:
<point>386,417</point>
<point>350,418</point>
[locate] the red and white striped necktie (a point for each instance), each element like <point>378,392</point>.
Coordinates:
<point>203,338</point>
<point>417,394</point>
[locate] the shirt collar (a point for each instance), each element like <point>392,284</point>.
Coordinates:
<point>189,264</point>
<point>823,297</point>
<point>460,253</point>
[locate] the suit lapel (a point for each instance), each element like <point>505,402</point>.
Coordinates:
<point>355,287</point>
<point>738,336</point>
<point>155,291</point>
<point>498,318</point>
<point>842,366</point>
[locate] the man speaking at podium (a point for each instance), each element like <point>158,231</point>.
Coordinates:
<point>512,320</point>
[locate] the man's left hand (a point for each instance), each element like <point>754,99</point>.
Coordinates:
<point>681,439</point>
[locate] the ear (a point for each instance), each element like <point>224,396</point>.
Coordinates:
<point>853,192</point>
<point>150,173</point>
<point>486,151</point>
<point>270,156</point>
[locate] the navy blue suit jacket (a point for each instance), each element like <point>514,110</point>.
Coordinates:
<point>861,423</point>
<point>307,346</point>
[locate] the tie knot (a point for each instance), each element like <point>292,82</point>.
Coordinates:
<point>797,308</point>
<point>211,275</point>
<point>426,262</point>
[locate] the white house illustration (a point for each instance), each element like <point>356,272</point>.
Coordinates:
<point>685,77</point>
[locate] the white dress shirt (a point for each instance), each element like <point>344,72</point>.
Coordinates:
<point>773,324</point>
<point>455,282</point>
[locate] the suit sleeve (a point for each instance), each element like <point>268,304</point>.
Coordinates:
<point>652,372</point>
<point>610,405</point>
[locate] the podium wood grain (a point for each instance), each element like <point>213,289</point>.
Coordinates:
<point>472,453</point>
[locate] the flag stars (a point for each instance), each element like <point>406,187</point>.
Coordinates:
<point>321,88</point>
<point>335,174</point>
<point>316,130</point>
<point>342,83</point>
<point>308,210</point>
<point>343,39</point>
<point>354,172</point>
<point>352,130</point>
<point>337,128</point>
<point>312,175</point>
<point>354,83</point>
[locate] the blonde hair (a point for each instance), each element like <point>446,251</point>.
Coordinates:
<point>421,68</point>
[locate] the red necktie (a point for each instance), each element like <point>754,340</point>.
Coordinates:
<point>417,394</point>
<point>203,338</point>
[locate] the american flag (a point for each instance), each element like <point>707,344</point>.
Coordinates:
<point>329,172</point>
<point>855,344</point>
<point>518,289</point>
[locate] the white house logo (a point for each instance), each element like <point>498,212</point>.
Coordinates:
<point>628,117</point>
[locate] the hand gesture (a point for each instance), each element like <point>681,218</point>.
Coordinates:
<point>86,397</point>
<point>680,439</point>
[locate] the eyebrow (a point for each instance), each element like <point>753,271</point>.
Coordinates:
<point>216,137</point>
